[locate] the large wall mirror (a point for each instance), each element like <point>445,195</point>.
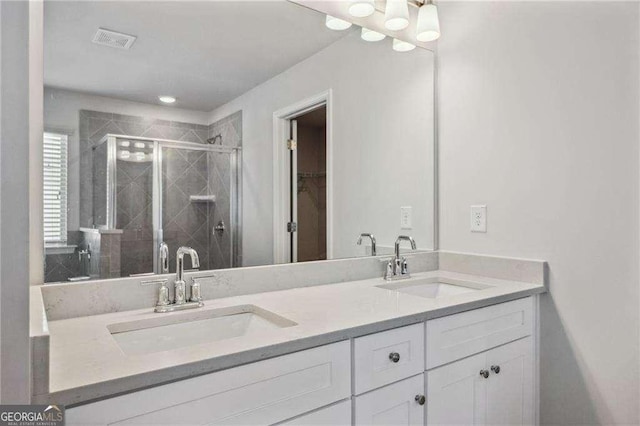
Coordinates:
<point>247,130</point>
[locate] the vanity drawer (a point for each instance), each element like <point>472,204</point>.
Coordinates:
<point>460,335</point>
<point>264,392</point>
<point>387,357</point>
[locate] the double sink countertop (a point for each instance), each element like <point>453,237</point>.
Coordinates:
<point>87,363</point>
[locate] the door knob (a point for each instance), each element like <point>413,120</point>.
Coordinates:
<point>484,373</point>
<point>421,399</point>
<point>394,356</point>
<point>495,369</point>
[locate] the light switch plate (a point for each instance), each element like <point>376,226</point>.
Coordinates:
<point>479,218</point>
<point>405,217</point>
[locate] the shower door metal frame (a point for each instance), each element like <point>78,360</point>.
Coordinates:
<point>235,162</point>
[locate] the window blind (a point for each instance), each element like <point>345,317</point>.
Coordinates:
<point>55,187</point>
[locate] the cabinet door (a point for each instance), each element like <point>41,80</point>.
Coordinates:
<point>456,393</point>
<point>510,391</point>
<point>395,404</point>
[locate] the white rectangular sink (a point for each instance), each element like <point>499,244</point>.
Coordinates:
<point>434,287</point>
<point>179,330</point>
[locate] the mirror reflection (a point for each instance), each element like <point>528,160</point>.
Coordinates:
<point>248,131</point>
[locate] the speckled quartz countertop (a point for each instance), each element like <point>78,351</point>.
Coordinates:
<point>86,363</point>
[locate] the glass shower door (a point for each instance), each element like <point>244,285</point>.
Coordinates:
<point>134,206</point>
<point>196,194</point>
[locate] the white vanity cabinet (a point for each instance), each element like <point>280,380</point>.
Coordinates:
<point>474,367</point>
<point>263,392</point>
<point>479,370</point>
<point>492,387</point>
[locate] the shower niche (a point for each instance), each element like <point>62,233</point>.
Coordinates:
<point>149,191</point>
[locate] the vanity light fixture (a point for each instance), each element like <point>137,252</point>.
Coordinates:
<point>370,35</point>
<point>336,24</point>
<point>124,154</point>
<point>124,144</point>
<point>362,8</point>
<point>167,99</point>
<point>396,15</point>
<point>139,145</point>
<point>402,46</point>
<point>428,28</point>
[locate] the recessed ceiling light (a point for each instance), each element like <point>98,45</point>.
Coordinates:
<point>167,99</point>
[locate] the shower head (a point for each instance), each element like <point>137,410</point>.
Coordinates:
<point>217,139</point>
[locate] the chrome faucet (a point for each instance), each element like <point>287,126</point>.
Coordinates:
<point>373,242</point>
<point>397,267</point>
<point>180,300</point>
<point>163,258</point>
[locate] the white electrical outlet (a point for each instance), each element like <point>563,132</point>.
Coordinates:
<point>479,218</point>
<point>405,217</point>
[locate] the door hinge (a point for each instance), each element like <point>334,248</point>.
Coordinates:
<point>292,227</point>
<point>291,144</point>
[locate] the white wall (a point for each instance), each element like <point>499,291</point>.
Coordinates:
<point>14,204</point>
<point>538,118</point>
<point>382,137</point>
<point>61,108</point>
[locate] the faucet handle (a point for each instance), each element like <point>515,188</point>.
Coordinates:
<point>196,296</point>
<point>389,272</point>
<point>404,270</point>
<point>163,294</point>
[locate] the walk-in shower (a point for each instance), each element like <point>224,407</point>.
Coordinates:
<point>147,192</point>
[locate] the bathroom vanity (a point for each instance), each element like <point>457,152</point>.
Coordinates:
<point>272,172</point>
<point>447,345</point>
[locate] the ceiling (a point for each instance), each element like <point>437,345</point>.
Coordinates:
<point>203,53</point>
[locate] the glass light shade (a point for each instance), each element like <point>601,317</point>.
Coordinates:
<point>396,15</point>
<point>370,35</point>
<point>428,23</point>
<point>336,24</point>
<point>362,8</point>
<point>402,46</point>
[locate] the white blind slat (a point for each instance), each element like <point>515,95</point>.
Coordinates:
<point>55,187</point>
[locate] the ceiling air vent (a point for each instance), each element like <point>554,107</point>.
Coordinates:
<point>113,39</point>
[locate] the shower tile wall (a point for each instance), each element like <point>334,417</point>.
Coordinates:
<point>133,181</point>
<point>94,125</point>
<point>186,223</point>
<point>186,173</point>
<point>62,266</point>
<point>227,132</point>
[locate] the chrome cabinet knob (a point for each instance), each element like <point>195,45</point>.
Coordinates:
<point>495,369</point>
<point>394,356</point>
<point>421,399</point>
<point>484,373</point>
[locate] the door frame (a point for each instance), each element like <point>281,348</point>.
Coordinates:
<point>281,165</point>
